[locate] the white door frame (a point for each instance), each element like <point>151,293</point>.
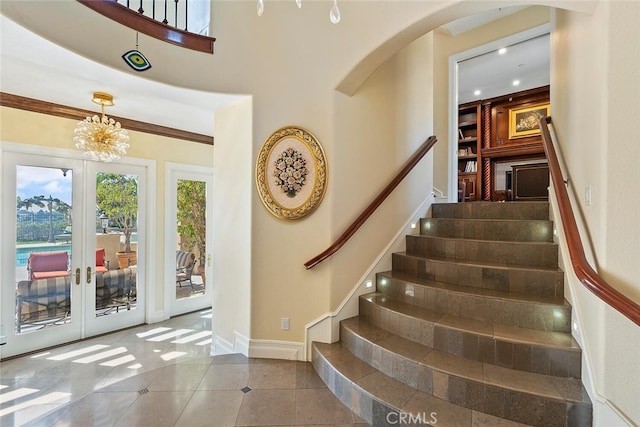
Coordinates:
<point>145,276</point>
<point>453,93</point>
<point>174,172</point>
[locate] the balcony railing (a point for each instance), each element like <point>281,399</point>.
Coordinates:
<point>181,22</point>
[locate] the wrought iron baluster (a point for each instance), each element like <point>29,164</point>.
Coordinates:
<point>165,21</point>
<point>140,9</point>
<point>176,15</point>
<point>186,17</point>
<point>153,10</point>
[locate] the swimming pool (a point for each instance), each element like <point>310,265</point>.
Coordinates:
<point>22,252</point>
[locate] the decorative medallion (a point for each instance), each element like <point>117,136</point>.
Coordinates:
<point>136,60</point>
<point>291,173</point>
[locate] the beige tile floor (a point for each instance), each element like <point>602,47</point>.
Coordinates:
<point>162,375</point>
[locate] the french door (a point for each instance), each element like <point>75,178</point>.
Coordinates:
<point>189,230</point>
<point>65,221</point>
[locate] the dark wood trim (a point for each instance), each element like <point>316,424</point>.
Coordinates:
<point>518,95</point>
<point>37,106</point>
<point>513,150</point>
<point>583,271</point>
<point>125,16</point>
<point>369,210</point>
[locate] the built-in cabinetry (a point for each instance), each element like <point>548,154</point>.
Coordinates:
<point>469,144</point>
<point>495,131</point>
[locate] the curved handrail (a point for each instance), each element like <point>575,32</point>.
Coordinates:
<point>122,14</point>
<point>369,210</point>
<point>584,272</point>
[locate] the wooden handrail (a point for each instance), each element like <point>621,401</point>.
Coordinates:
<point>134,20</point>
<point>584,272</point>
<point>351,230</point>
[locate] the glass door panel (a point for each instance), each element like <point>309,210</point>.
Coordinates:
<point>191,210</point>
<point>41,292</point>
<point>116,232</point>
<point>189,261</point>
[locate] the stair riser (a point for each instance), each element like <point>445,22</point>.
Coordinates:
<point>510,279</point>
<point>545,317</point>
<point>517,231</point>
<point>374,411</point>
<point>516,210</point>
<point>474,346</point>
<point>516,406</point>
<point>507,253</point>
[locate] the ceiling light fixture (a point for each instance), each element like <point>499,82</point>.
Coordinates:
<point>516,82</point>
<point>334,13</point>
<point>477,92</point>
<point>502,50</point>
<point>101,138</point>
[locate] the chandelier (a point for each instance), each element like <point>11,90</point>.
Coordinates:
<point>334,13</point>
<point>101,138</point>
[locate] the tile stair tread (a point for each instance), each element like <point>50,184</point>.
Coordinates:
<point>469,290</point>
<point>464,239</point>
<point>373,381</point>
<point>514,220</point>
<point>481,263</point>
<point>376,381</point>
<point>514,334</point>
<point>558,388</point>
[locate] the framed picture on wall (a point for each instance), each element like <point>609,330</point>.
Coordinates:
<point>524,122</point>
<point>291,173</point>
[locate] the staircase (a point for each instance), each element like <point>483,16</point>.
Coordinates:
<point>469,328</point>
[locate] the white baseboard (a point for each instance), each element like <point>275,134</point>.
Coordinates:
<point>261,349</point>
<point>271,349</point>
<point>157,316</point>
<point>221,346</point>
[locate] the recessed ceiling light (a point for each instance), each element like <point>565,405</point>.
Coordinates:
<point>477,92</point>
<point>502,50</point>
<point>516,82</point>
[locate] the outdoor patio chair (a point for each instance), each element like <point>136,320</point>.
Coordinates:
<point>42,301</point>
<point>185,262</point>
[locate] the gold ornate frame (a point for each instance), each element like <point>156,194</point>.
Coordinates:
<point>523,122</point>
<point>305,200</point>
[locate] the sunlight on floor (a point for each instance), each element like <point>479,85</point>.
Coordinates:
<point>14,399</point>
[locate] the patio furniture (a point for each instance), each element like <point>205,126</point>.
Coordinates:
<point>116,288</point>
<point>45,265</point>
<point>185,262</point>
<point>42,301</point>
<point>102,264</point>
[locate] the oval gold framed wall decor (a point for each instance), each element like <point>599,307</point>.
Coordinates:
<point>291,173</point>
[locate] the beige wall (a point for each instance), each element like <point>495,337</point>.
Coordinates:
<point>594,90</point>
<point>377,131</point>
<point>232,228</point>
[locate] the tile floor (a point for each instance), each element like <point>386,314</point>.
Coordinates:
<point>162,375</point>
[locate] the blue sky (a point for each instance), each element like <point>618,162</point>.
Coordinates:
<point>34,181</point>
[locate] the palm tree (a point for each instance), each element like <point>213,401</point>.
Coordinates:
<point>53,203</point>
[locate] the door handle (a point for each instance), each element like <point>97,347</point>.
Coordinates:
<point>88,274</point>
<point>77,276</point>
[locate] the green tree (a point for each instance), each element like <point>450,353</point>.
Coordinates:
<point>192,215</point>
<point>117,198</point>
<point>30,202</point>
